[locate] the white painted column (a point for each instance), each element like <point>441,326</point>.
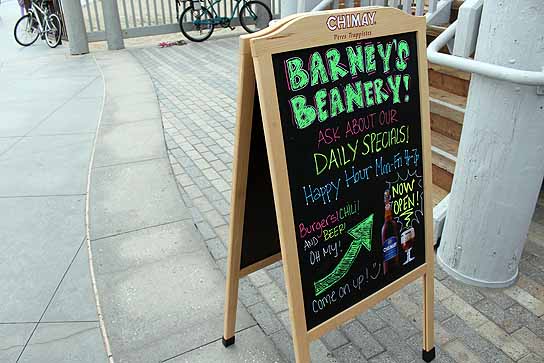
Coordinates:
<point>307,5</point>
<point>75,27</point>
<point>500,164</point>
<point>114,35</point>
<point>288,7</point>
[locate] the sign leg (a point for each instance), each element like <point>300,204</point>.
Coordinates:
<point>302,347</point>
<point>231,302</point>
<point>428,319</point>
<point>239,186</point>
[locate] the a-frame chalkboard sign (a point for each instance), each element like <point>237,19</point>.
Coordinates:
<point>332,168</point>
<point>253,236</point>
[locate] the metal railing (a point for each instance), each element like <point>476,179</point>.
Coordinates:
<point>531,78</point>
<point>414,7</point>
<point>149,17</point>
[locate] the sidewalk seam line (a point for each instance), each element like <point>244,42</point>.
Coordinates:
<point>129,162</point>
<point>48,322</point>
<point>61,134</point>
<point>41,196</point>
<point>135,121</point>
<point>51,299</point>
<point>208,343</point>
<point>140,229</point>
<point>48,135</point>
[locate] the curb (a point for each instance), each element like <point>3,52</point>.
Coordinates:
<point>102,325</point>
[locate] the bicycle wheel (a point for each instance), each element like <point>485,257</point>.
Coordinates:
<point>53,31</point>
<point>254,16</point>
<point>25,31</point>
<point>196,24</point>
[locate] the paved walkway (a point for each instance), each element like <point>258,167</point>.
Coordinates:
<point>49,108</point>
<point>158,226</point>
<point>159,291</point>
<point>161,294</point>
<point>195,85</point>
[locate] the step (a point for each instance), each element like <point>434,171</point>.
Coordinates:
<point>435,30</point>
<point>454,14</point>
<point>444,157</point>
<point>449,79</point>
<point>447,112</point>
<point>457,4</point>
<point>438,194</point>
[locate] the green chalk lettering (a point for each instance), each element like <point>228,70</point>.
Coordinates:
<point>304,115</point>
<point>336,70</point>
<point>354,95</point>
<point>379,93</point>
<point>385,55</point>
<point>318,70</point>
<point>403,53</point>
<point>298,77</point>
<point>394,85</point>
<point>355,60</point>
<point>337,107</point>
<point>370,58</point>
<point>406,79</point>
<point>369,96</point>
<point>320,103</point>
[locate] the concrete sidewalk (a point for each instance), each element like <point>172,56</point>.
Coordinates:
<point>161,294</point>
<point>50,104</point>
<point>159,291</point>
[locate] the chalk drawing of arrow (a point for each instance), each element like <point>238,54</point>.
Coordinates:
<point>362,234</point>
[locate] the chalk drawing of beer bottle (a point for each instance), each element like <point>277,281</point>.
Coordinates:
<point>390,237</point>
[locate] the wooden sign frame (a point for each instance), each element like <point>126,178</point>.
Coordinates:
<point>244,127</point>
<point>306,31</point>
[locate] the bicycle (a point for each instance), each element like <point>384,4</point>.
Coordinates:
<point>197,22</point>
<point>38,22</point>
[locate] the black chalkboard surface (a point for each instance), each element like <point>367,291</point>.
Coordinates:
<point>350,116</point>
<point>260,238</point>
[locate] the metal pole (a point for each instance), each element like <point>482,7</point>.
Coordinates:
<point>75,27</point>
<point>114,35</point>
<point>499,168</point>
